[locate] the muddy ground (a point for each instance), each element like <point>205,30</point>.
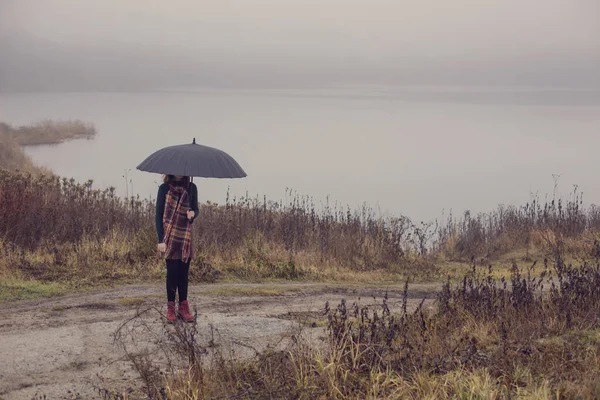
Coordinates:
<point>66,347</point>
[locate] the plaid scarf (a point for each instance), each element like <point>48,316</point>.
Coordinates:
<point>178,231</point>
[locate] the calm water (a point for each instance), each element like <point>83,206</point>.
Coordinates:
<point>407,152</point>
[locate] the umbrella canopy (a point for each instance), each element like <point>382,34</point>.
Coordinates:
<point>192,160</point>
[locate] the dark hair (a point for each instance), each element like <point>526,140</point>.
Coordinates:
<point>169,179</point>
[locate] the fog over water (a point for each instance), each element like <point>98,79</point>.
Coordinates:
<point>412,107</point>
<point>405,155</point>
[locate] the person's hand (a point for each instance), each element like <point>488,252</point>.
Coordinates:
<point>190,215</point>
<point>162,247</point>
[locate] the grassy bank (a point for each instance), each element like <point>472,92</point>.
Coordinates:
<point>12,139</point>
<point>12,156</point>
<point>48,132</point>
<point>88,236</point>
<point>56,230</point>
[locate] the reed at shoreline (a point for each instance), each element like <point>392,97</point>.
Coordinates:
<point>48,132</point>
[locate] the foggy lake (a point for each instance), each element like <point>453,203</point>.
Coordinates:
<point>419,152</point>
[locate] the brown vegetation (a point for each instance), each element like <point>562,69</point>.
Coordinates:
<point>53,228</point>
<point>527,337</point>
<point>48,132</point>
<point>11,155</point>
<point>535,224</point>
<point>56,229</point>
<point>535,334</point>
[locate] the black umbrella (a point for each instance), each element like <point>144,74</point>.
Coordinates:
<point>192,160</point>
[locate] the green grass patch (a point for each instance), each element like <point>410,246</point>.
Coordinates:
<point>252,291</point>
<point>133,301</point>
<point>27,290</point>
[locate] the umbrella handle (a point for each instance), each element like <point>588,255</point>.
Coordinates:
<point>192,181</point>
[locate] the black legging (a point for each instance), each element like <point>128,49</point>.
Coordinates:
<point>177,279</point>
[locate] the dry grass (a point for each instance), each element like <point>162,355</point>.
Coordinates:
<point>87,263</point>
<point>12,157</point>
<point>483,340</point>
<point>49,132</point>
<point>91,235</point>
<point>133,301</point>
<point>533,227</point>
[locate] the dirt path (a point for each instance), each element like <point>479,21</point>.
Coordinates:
<point>64,347</point>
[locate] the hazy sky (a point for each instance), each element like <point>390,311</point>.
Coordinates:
<point>96,43</point>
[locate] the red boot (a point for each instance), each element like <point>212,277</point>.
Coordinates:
<point>184,311</point>
<point>171,317</point>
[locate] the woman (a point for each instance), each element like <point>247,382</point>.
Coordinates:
<point>176,209</point>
